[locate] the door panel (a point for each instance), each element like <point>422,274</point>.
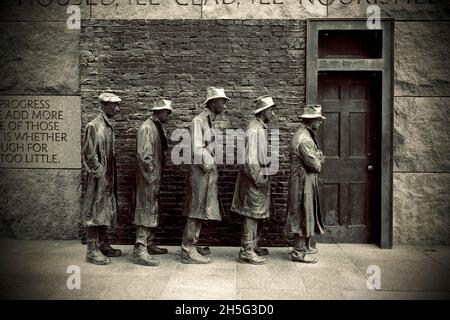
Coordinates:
<point>346,184</point>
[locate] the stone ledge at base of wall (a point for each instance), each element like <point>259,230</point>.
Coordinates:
<point>422,208</point>
<point>39,204</point>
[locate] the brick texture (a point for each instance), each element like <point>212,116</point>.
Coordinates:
<point>144,59</point>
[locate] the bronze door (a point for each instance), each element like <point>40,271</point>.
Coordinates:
<point>347,137</point>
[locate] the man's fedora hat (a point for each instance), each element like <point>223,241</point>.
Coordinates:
<point>162,104</point>
<point>215,93</point>
<point>109,97</point>
<point>262,103</point>
<point>311,111</point>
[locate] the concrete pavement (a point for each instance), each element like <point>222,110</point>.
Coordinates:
<point>37,270</point>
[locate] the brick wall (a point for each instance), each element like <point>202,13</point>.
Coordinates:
<point>144,59</point>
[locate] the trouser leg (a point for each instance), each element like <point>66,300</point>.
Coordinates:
<point>258,250</point>
<point>102,236</point>
<point>248,240</point>
<point>103,244</point>
<point>191,234</point>
<point>140,254</point>
<point>255,234</point>
<point>189,253</point>
<point>300,250</point>
<point>151,245</point>
<point>300,243</point>
<point>93,254</point>
<point>312,245</point>
<point>151,237</point>
<point>91,233</point>
<point>248,243</point>
<point>142,234</point>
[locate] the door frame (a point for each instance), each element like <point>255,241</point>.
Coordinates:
<point>385,65</point>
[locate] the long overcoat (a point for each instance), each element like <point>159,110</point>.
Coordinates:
<point>252,192</point>
<point>202,199</point>
<point>99,206</point>
<point>303,208</point>
<point>151,146</point>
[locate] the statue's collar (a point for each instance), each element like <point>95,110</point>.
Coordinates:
<point>106,118</point>
<point>210,114</point>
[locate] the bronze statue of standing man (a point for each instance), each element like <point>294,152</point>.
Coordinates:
<point>202,199</point>
<point>99,208</point>
<point>252,193</point>
<point>304,218</point>
<point>150,158</point>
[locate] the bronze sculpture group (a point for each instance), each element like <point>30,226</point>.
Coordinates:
<point>251,200</point>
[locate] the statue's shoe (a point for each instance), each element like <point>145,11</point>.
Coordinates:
<point>302,257</point>
<point>261,251</point>
<point>141,257</point>
<point>203,250</point>
<point>96,257</point>
<point>193,258</point>
<point>312,250</point>
<point>109,251</point>
<point>251,258</point>
<point>156,250</point>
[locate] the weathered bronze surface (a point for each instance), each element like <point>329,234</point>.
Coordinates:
<point>304,217</point>
<point>252,193</point>
<point>150,159</point>
<point>202,199</point>
<point>99,209</point>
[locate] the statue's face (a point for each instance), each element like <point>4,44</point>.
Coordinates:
<point>315,123</point>
<point>269,114</point>
<point>163,115</point>
<point>110,108</point>
<point>217,106</point>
